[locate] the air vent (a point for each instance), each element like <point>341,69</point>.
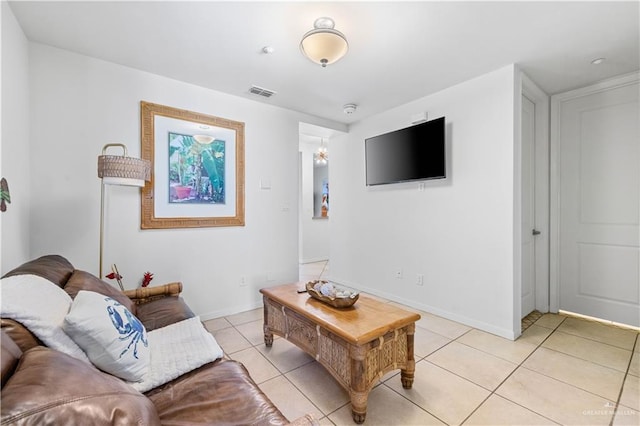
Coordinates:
<point>261,91</point>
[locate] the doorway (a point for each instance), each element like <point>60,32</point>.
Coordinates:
<point>534,199</point>
<point>314,207</point>
<point>595,147</point>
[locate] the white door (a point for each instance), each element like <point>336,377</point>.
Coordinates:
<point>528,208</point>
<point>597,181</point>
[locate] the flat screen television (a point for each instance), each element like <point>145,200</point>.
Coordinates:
<point>412,153</point>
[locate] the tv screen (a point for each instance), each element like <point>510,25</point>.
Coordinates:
<point>413,153</point>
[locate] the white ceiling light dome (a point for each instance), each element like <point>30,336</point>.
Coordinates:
<point>324,45</point>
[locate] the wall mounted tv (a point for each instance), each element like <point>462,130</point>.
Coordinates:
<point>412,153</point>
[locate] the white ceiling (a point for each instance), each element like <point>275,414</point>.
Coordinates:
<point>398,51</point>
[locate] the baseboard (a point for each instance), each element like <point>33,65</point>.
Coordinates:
<point>480,325</point>
<point>231,311</point>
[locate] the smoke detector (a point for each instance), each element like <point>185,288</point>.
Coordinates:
<point>349,108</point>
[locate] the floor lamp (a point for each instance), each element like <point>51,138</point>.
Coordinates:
<point>119,170</point>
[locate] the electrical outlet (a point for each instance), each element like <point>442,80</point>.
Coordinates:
<point>399,274</point>
<point>420,279</point>
<point>243,282</point>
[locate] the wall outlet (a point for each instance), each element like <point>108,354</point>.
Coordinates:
<point>243,281</point>
<point>420,279</point>
<point>399,274</point>
<point>265,183</point>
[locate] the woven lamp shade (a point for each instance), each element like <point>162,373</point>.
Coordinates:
<point>121,170</point>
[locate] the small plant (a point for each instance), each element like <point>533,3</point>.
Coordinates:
<point>115,275</point>
<point>146,279</point>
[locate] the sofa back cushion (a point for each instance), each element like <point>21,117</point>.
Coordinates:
<point>49,386</point>
<point>163,312</point>
<point>20,334</point>
<point>82,280</point>
<point>10,353</point>
<point>53,267</point>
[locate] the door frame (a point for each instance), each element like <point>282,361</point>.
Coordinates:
<point>541,151</point>
<point>554,205</point>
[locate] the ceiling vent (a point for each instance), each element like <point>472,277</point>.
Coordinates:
<point>261,91</point>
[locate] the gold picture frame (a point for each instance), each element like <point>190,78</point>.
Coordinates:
<point>199,152</point>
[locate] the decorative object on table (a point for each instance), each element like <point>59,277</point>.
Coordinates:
<point>5,196</point>
<point>326,292</point>
<point>115,275</point>
<point>118,170</point>
<point>198,169</point>
<point>146,279</point>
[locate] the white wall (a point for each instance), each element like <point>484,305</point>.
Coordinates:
<point>458,232</point>
<point>14,146</point>
<point>314,243</point>
<point>78,105</point>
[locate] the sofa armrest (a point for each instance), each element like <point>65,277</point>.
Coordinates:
<point>145,294</point>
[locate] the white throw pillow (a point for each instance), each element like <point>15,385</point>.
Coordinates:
<point>41,307</point>
<point>113,338</point>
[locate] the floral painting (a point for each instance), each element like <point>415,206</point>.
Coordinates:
<point>196,169</point>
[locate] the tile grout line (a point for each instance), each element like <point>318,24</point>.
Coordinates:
<point>626,374</point>
<point>466,379</point>
<point>280,373</point>
<point>425,360</point>
<point>405,397</point>
<point>284,375</point>
<point>511,374</point>
<point>624,380</point>
<point>594,340</point>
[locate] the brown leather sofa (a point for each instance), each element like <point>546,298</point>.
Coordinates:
<point>44,386</point>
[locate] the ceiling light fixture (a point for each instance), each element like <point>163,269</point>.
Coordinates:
<point>322,156</point>
<point>324,45</point>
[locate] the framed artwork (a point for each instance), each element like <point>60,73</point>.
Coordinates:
<point>197,169</point>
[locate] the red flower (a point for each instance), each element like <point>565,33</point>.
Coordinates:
<point>113,275</point>
<point>148,276</point>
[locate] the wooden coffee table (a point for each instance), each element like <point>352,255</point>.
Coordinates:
<point>357,345</point>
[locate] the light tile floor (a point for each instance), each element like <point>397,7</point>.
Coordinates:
<point>563,370</point>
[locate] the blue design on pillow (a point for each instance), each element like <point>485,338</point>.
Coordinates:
<point>128,327</point>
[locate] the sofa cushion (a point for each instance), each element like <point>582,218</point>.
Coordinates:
<point>50,387</point>
<point>52,267</point>
<point>159,313</point>
<point>82,280</point>
<point>20,334</point>
<point>41,307</point>
<point>112,337</point>
<point>220,393</point>
<point>10,353</point>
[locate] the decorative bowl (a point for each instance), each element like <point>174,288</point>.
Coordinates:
<point>337,297</point>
